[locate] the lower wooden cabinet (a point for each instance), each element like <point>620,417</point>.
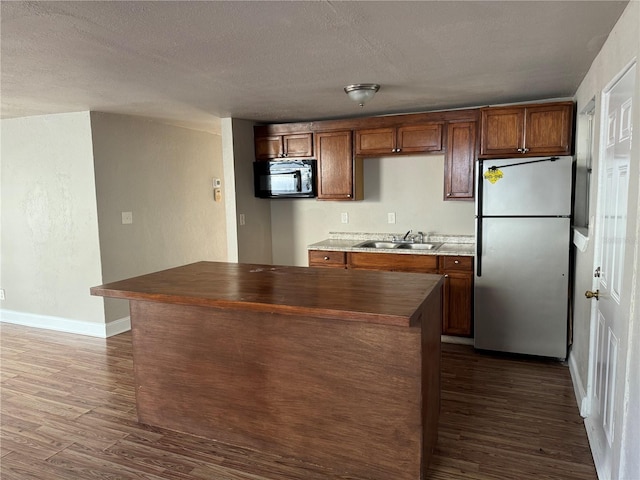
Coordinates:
<point>457,301</point>
<point>326,258</point>
<point>390,262</point>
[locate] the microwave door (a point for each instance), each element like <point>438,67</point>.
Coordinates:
<point>285,183</point>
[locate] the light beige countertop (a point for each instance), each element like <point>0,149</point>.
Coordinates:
<point>463,245</point>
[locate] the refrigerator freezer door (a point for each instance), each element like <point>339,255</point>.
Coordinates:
<point>521,299</point>
<point>542,188</point>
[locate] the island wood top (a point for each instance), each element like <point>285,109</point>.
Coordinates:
<point>390,298</point>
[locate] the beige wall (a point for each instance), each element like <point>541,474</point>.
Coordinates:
<point>163,175</point>
<point>410,186</point>
<point>622,46</point>
<point>50,253</point>
<point>252,240</point>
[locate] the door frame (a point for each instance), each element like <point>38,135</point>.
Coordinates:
<point>588,402</point>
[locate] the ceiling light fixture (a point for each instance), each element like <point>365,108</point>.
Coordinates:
<point>361,92</point>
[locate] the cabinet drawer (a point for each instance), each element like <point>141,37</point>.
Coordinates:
<point>454,263</point>
<point>323,258</point>
<point>393,262</point>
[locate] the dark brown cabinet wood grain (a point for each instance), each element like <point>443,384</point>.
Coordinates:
<point>399,140</point>
<point>339,174</point>
<point>293,145</point>
<point>390,262</point>
<point>460,161</point>
<point>457,294</point>
<point>527,130</point>
<point>327,258</point>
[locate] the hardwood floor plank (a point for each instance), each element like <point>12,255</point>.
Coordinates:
<point>68,412</point>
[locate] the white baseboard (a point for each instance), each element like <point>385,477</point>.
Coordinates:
<point>597,451</point>
<point>92,329</point>
<point>579,387</point>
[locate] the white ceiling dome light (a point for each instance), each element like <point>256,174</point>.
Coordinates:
<point>361,93</point>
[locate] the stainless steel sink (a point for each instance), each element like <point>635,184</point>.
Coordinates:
<point>401,245</point>
<point>419,246</point>
<point>370,244</point>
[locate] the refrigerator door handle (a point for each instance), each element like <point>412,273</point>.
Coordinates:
<point>479,190</point>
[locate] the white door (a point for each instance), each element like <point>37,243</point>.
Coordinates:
<point>610,327</point>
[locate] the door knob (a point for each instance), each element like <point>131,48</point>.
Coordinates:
<point>590,294</point>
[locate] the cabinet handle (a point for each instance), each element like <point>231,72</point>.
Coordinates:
<point>326,258</point>
<point>525,150</point>
<point>348,195</point>
<point>456,261</point>
<point>448,194</point>
<point>520,150</point>
<point>446,275</point>
<point>393,150</point>
<point>285,154</point>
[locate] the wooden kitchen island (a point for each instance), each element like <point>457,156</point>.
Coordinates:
<point>340,368</point>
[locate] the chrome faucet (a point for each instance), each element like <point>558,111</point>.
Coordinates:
<point>404,239</point>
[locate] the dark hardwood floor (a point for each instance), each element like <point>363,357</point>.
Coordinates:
<point>68,412</point>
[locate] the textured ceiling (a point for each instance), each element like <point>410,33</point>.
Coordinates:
<point>190,63</point>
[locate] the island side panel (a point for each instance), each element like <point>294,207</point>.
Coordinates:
<point>431,356</point>
<point>346,395</point>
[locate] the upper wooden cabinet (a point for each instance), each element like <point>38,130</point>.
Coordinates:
<point>459,161</point>
<point>399,140</point>
<point>527,130</point>
<point>293,145</point>
<point>339,175</point>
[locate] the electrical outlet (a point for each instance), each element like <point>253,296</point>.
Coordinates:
<point>217,183</point>
<point>241,219</point>
<point>391,217</point>
<point>217,194</point>
<point>1,293</point>
<point>127,218</point>
<point>344,217</point>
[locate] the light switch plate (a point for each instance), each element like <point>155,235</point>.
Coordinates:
<point>344,217</point>
<point>127,218</point>
<point>391,217</point>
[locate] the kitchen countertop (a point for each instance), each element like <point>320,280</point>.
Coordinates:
<point>461,245</point>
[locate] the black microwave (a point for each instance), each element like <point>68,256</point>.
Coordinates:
<point>285,179</point>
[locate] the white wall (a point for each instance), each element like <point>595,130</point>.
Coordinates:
<point>50,250</point>
<point>162,174</point>
<point>410,186</point>
<point>622,46</point>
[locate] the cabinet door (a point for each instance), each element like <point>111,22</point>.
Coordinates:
<point>268,147</point>
<point>376,141</point>
<point>460,161</point>
<point>419,138</point>
<point>392,262</point>
<point>502,131</point>
<point>457,301</point>
<point>298,145</point>
<point>325,258</point>
<point>335,165</point>
<point>548,129</point>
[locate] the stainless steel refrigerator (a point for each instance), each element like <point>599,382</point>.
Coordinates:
<point>523,222</point>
